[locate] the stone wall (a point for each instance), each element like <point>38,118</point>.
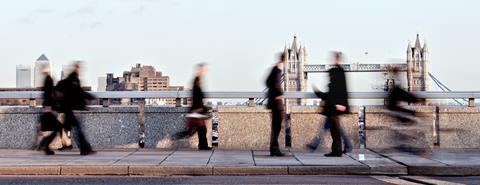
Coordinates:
<point>244,127</point>
<point>104,127</point>
<point>18,127</point>
<point>459,127</point>
<point>161,123</point>
<point>307,120</point>
<point>384,131</point>
<point>249,127</point>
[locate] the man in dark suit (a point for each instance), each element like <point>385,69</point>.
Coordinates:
<point>336,103</point>
<point>275,104</point>
<point>72,97</point>
<point>196,118</point>
<point>199,107</point>
<point>48,117</point>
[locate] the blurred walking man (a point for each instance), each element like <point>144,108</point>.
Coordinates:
<point>275,104</point>
<point>48,119</point>
<point>197,116</point>
<point>336,104</point>
<point>72,97</point>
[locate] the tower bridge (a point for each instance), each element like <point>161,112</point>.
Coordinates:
<point>355,67</point>
<point>296,69</point>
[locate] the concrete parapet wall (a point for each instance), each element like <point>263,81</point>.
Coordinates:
<point>249,127</point>
<point>459,127</point>
<point>104,127</point>
<point>384,131</point>
<point>244,127</point>
<point>111,127</point>
<point>161,123</point>
<point>307,120</point>
<point>18,127</point>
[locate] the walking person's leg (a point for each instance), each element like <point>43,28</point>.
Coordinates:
<point>317,140</point>
<point>347,143</point>
<point>336,137</point>
<point>202,138</point>
<point>275,132</point>
<point>81,140</point>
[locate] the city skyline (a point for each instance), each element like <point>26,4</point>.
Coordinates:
<point>239,47</point>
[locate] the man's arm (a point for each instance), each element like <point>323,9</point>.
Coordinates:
<point>319,93</point>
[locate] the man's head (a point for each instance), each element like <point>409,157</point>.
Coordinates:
<point>200,69</point>
<point>76,65</point>
<point>282,57</point>
<point>337,57</point>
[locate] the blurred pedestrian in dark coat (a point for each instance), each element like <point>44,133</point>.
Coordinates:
<point>336,103</point>
<point>198,112</point>
<point>48,118</point>
<point>72,97</point>
<point>275,104</point>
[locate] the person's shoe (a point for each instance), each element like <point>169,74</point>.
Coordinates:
<point>68,147</point>
<point>310,147</point>
<point>205,148</point>
<point>331,154</point>
<point>89,152</point>
<point>48,151</point>
<point>277,154</point>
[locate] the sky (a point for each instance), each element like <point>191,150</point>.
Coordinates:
<point>238,39</point>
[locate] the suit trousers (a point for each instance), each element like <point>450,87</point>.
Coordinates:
<point>80,138</point>
<point>277,118</point>
<point>335,131</point>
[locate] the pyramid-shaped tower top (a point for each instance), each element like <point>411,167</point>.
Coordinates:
<point>417,42</point>
<point>42,58</point>
<point>295,44</point>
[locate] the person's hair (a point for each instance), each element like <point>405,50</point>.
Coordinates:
<point>282,57</point>
<point>76,64</point>
<point>199,66</point>
<point>337,55</point>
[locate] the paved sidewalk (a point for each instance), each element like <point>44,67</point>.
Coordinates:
<point>149,162</point>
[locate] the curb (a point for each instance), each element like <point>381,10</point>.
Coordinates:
<point>170,170</point>
<point>30,170</point>
<point>251,170</point>
<point>328,170</point>
<point>238,170</point>
<point>94,170</point>
<point>444,170</point>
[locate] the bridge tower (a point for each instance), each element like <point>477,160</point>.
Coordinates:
<point>295,77</point>
<point>417,66</point>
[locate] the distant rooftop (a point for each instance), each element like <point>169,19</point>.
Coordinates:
<point>42,58</point>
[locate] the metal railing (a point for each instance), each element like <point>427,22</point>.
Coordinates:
<point>178,95</point>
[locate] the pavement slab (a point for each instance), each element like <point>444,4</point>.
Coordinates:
<point>238,162</point>
<point>377,163</point>
<point>232,158</point>
<point>263,158</point>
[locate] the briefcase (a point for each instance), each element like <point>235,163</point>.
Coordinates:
<point>48,121</point>
<point>195,122</point>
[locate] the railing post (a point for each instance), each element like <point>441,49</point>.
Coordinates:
<point>32,102</point>
<point>105,102</point>
<point>141,122</point>
<point>361,127</point>
<point>251,102</point>
<point>178,102</point>
<point>471,102</point>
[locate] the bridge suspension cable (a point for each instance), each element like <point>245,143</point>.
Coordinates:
<point>444,88</point>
